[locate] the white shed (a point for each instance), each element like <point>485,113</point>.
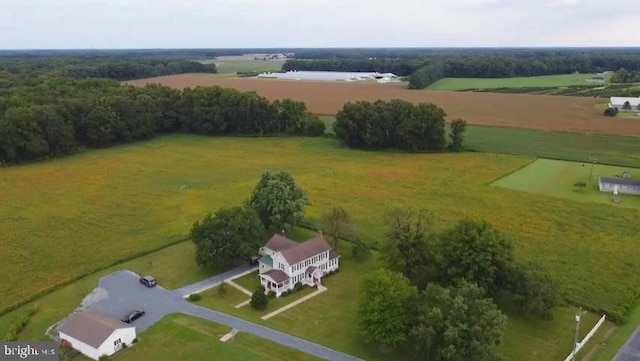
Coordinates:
<point>618,102</point>
<point>96,335</point>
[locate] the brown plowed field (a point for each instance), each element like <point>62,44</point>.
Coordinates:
<point>546,112</point>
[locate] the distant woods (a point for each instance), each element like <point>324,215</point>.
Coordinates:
<point>61,115</point>
<point>425,67</point>
<point>398,124</point>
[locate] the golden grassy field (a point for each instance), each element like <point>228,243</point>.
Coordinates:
<point>67,216</point>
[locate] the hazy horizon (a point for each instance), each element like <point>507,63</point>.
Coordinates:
<point>241,24</point>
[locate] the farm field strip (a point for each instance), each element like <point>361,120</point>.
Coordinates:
<point>545,112</point>
<point>492,83</point>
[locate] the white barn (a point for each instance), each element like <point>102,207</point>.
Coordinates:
<point>95,335</point>
<point>329,76</point>
<point>619,102</point>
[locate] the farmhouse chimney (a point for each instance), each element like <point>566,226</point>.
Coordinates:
<point>320,233</point>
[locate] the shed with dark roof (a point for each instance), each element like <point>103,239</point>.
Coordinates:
<point>95,335</point>
<point>619,186</point>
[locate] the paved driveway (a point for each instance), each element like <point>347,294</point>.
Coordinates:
<point>120,293</point>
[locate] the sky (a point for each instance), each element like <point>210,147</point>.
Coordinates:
<point>122,24</point>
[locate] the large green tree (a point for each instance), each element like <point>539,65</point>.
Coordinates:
<point>228,238</point>
<point>456,323</point>
<point>456,135</point>
<point>384,307</point>
<point>278,200</point>
<point>474,251</point>
<point>337,222</point>
<point>409,245</point>
<point>534,290</point>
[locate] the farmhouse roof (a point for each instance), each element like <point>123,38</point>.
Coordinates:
<point>333,254</point>
<point>305,250</point>
<point>311,269</point>
<point>279,243</point>
<point>277,275</point>
<point>91,328</point>
<point>620,181</point>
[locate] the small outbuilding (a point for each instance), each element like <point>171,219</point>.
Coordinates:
<point>625,104</point>
<point>95,335</point>
<point>619,186</point>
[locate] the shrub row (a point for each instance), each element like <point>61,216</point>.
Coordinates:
<point>19,324</point>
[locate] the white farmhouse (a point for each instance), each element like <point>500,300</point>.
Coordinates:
<point>95,335</point>
<point>285,262</point>
<point>619,102</point>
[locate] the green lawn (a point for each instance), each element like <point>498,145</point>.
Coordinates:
<point>608,351</point>
<point>609,149</point>
<point>185,338</point>
<point>557,178</point>
<point>249,66</point>
<point>534,81</point>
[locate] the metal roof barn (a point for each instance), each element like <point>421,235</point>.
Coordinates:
<point>324,75</point>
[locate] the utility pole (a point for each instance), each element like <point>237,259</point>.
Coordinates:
<point>593,162</point>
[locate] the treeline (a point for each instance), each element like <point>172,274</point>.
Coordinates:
<point>19,70</point>
<point>397,124</point>
<point>401,67</point>
<point>61,116</point>
<point>624,76</point>
<point>508,67</point>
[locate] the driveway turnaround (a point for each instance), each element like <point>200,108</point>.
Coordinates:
<point>120,293</point>
<point>215,280</point>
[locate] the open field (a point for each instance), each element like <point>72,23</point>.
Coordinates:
<point>556,178</point>
<point>533,81</point>
<point>608,149</point>
<point>103,205</point>
<point>545,112</point>
<point>180,337</point>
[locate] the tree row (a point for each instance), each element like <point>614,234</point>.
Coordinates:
<point>398,124</point>
<point>61,116</point>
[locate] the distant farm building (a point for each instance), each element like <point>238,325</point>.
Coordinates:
<point>597,80</point>
<point>332,76</point>
<point>623,185</point>
<point>625,104</point>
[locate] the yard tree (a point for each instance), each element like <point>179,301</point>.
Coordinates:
<point>384,308</point>
<point>259,300</point>
<point>278,200</point>
<point>456,323</point>
<point>228,238</point>
<point>474,251</point>
<point>456,135</point>
<point>534,290</point>
<point>409,244</point>
<point>360,251</point>
<point>580,185</point>
<point>337,222</point>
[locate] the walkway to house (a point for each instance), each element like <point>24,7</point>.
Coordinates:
<point>214,281</point>
<point>320,290</point>
<point>238,287</point>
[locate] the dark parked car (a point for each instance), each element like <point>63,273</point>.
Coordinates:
<point>134,315</point>
<point>148,281</point>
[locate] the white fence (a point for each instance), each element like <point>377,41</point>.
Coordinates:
<point>587,338</point>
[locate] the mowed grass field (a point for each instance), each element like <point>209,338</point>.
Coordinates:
<point>556,178</point>
<point>181,337</point>
<point>244,66</point>
<point>580,147</point>
<point>520,82</point>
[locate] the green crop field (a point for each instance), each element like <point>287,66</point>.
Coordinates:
<point>69,216</point>
<point>557,178</point>
<point>607,149</point>
<point>534,81</point>
<point>243,66</point>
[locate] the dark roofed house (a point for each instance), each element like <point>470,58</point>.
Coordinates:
<point>95,335</point>
<point>286,262</point>
<point>619,186</point>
